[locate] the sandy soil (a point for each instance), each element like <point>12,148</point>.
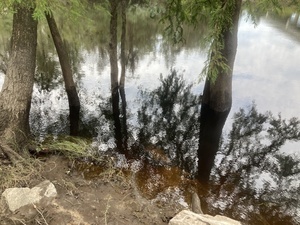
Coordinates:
<point>110,198</point>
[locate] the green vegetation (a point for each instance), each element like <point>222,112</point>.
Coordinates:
<point>71,147</point>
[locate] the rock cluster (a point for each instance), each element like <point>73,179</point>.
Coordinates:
<point>25,203</point>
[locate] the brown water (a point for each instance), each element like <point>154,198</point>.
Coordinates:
<point>170,183</point>
<point>150,180</point>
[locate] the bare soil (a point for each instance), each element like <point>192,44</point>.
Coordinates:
<point>110,197</point>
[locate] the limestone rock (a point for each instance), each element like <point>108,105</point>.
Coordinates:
<point>24,200</point>
<point>186,217</point>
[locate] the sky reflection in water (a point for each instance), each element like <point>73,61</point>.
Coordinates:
<point>267,69</point>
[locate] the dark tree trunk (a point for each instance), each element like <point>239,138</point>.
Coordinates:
<point>15,97</point>
<point>74,103</point>
<point>123,72</point>
<point>123,44</point>
<point>216,102</point>
<point>113,54</point>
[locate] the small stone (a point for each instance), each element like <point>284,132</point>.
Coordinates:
<point>196,204</point>
<point>186,217</point>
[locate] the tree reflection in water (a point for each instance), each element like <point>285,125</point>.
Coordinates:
<point>168,119</point>
<point>254,180</point>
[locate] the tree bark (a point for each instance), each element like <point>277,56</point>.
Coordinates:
<point>113,54</point>
<point>74,103</point>
<point>15,97</point>
<point>217,101</point>
<point>123,73</point>
<point>123,43</point>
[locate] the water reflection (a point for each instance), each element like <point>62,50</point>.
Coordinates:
<point>168,118</point>
<point>294,20</point>
<point>266,69</point>
<point>253,181</point>
<point>250,163</point>
<point>152,180</point>
<point>49,76</point>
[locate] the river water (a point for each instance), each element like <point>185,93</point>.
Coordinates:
<point>265,72</point>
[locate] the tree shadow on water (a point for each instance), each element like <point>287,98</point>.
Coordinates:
<point>168,121</point>
<point>254,179</point>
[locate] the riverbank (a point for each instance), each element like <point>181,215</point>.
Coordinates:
<point>111,198</point>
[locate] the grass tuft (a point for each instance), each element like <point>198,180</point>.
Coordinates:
<point>71,147</point>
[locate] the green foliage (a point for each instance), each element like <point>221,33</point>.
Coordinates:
<point>7,5</point>
<point>218,15</point>
<point>255,9</point>
<point>214,13</point>
<point>221,20</point>
<point>216,62</point>
<point>41,7</point>
<point>73,7</point>
<point>176,17</point>
<point>10,5</point>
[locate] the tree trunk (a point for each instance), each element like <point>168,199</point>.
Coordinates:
<point>113,54</point>
<point>15,97</point>
<point>74,103</point>
<point>123,72</point>
<point>216,102</point>
<point>123,43</point>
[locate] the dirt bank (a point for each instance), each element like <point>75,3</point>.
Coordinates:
<point>110,198</point>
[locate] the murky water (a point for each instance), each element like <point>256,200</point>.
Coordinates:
<point>256,170</point>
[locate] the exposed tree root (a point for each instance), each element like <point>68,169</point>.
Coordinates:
<point>11,155</point>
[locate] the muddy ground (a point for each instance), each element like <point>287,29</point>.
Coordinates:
<point>106,196</point>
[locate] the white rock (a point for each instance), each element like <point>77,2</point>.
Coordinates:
<point>15,198</point>
<point>186,217</point>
